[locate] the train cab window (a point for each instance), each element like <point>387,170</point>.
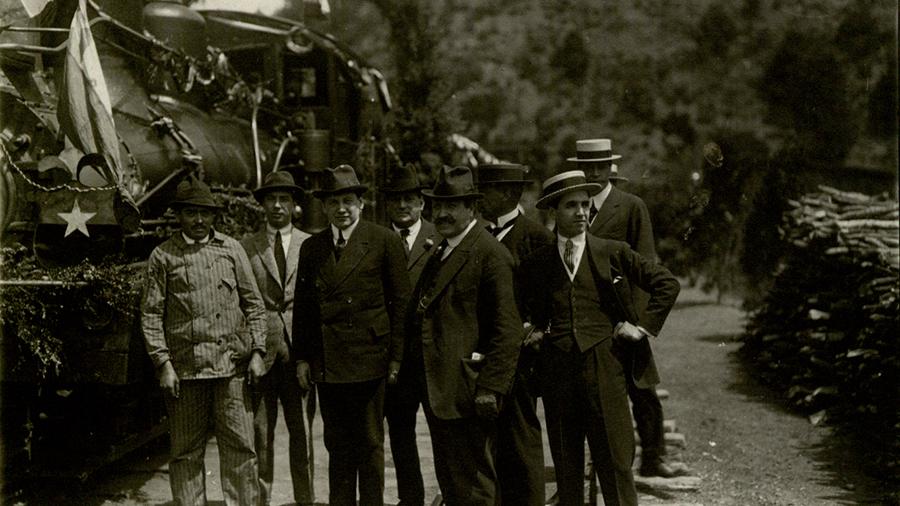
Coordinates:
<point>306,79</point>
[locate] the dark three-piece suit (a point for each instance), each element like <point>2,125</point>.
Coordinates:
<point>583,367</point>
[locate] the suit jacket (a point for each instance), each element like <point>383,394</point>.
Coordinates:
<point>278,295</point>
<point>524,238</point>
<point>617,270</point>
<point>624,217</point>
<point>469,308</point>
<point>418,254</point>
<point>348,315</point>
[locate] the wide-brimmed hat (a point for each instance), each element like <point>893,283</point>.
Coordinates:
<point>341,179</point>
<point>280,180</point>
<point>593,150</point>
<point>614,174</point>
<point>453,183</point>
<point>502,173</point>
<point>193,192</point>
<point>565,182</point>
<point>401,178</point>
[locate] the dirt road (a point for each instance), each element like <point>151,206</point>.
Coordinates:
<point>747,449</point>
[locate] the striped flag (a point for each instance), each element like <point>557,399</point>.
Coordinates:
<point>84,112</point>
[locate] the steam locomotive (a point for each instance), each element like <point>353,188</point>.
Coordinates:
<point>227,96</point>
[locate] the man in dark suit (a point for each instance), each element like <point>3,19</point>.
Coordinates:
<point>520,450</point>
<point>404,204</point>
<point>273,253</point>
<point>621,216</point>
<point>465,333</point>
<point>578,294</point>
<point>351,293</point>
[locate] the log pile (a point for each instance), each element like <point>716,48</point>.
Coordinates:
<point>827,333</point>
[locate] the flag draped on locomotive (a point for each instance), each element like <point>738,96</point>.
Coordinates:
<point>104,107</point>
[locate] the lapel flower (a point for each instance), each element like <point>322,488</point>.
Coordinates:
<point>428,244</point>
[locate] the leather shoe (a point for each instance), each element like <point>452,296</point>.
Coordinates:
<point>664,469</point>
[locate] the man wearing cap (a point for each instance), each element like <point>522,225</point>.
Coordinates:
<point>202,317</point>
<point>520,450</point>
<point>578,294</point>
<point>351,292</point>
<point>464,333</point>
<point>404,203</point>
<point>273,253</point>
<point>621,216</point>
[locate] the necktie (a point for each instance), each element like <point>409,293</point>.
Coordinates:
<point>339,245</point>
<point>280,258</point>
<point>569,255</point>
<point>593,212</point>
<point>404,234</point>
<point>430,269</point>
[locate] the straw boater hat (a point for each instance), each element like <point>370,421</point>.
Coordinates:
<point>453,183</point>
<point>192,192</point>
<point>593,150</point>
<point>502,173</point>
<point>280,180</point>
<point>614,174</point>
<point>562,183</point>
<point>341,179</point>
<point>402,179</point>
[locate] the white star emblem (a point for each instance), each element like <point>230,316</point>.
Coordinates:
<point>76,220</point>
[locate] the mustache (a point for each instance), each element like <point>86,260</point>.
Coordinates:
<point>444,221</point>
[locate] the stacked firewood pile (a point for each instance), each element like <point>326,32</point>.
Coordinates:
<point>828,333</point>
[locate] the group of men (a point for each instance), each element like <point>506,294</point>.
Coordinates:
<point>471,316</point>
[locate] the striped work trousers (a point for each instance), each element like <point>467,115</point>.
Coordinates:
<point>220,407</point>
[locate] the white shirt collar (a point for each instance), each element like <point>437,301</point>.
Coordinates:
<point>600,198</point>
<point>347,232</point>
<point>578,243</point>
<point>285,230</point>
<point>413,233</point>
<point>413,229</point>
<point>192,241</point>
<point>505,218</point>
<point>453,242</point>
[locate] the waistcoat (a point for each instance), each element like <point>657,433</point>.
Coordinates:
<point>578,317</point>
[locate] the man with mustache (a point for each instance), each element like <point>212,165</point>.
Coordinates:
<point>404,203</point>
<point>352,289</point>
<point>202,317</point>
<point>578,294</point>
<point>520,449</point>
<point>464,333</point>
<point>273,253</point>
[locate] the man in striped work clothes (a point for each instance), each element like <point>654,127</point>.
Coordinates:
<point>203,318</point>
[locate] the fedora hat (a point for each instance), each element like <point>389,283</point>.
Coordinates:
<point>614,174</point>
<point>401,178</point>
<point>593,150</point>
<point>191,192</point>
<point>502,173</point>
<point>280,180</point>
<point>341,179</point>
<point>453,183</point>
<point>565,182</point>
